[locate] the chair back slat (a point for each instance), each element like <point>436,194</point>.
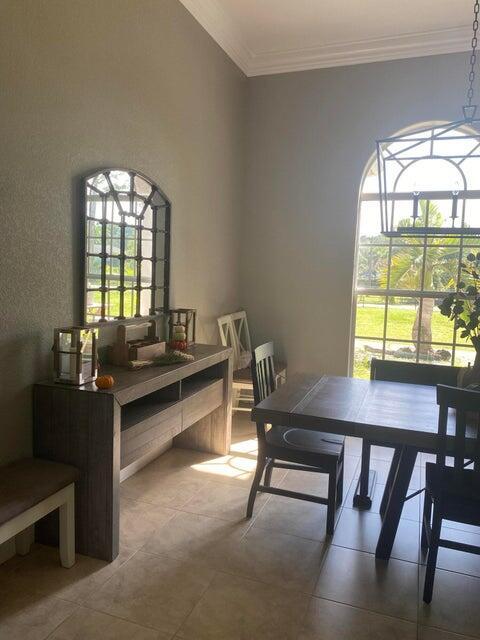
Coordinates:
<point>233,328</point>
<point>466,404</point>
<point>263,372</point>
<point>413,373</point>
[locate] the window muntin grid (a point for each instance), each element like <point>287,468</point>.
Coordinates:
<point>127,247</point>
<point>382,302</point>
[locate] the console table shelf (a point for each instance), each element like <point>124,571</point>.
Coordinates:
<point>110,434</point>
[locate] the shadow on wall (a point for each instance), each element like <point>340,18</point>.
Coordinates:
<point>30,359</point>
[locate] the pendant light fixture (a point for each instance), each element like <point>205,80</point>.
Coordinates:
<point>412,166</point>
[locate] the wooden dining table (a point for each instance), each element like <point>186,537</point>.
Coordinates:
<point>393,414</point>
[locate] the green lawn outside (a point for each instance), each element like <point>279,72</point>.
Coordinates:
<point>370,323</point>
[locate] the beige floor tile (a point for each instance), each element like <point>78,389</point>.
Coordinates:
<point>455,603</point>
<point>356,578</point>
<point>294,517</point>
<point>410,511</point>
<point>382,467</point>
<point>360,530</point>
<point>235,469</point>
<point>429,633</point>
<point>163,487</point>
<point>276,558</point>
<point>326,620</point>
<point>86,624</point>
<point>139,521</point>
<point>41,572</point>
<point>31,616</point>
<point>223,501</point>
<point>353,446</point>
<point>317,483</point>
<point>235,608</point>
<point>154,591</point>
<point>201,539</point>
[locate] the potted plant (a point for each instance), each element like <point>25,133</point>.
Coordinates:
<point>463,307</point>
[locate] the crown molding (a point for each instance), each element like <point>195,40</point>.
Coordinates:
<point>218,24</point>
<point>362,51</point>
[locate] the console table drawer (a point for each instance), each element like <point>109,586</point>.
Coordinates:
<point>202,402</point>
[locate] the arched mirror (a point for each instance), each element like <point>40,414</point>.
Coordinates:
<point>127,247</point>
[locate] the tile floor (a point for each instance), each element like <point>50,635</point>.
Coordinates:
<point>192,568</point>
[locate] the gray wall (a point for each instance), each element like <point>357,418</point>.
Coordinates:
<point>310,136</point>
<point>135,83</point>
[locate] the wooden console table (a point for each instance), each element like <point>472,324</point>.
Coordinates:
<point>110,434</point>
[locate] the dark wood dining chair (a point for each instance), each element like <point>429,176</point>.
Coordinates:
<point>291,448</point>
<point>453,493</point>
<point>407,372</point>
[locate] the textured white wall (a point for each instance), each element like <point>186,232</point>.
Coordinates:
<point>135,83</point>
<point>310,135</point>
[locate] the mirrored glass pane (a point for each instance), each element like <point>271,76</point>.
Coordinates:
<point>113,242</point>
<point>120,180</point>
<point>112,304</point>
<point>113,212</point>
<point>93,306</point>
<point>99,182</point>
<point>130,303</point>
<point>142,186</point>
<point>130,273</point>
<point>145,302</point>
<point>131,243</point>
<point>147,237</point>
<point>147,221</point>
<point>146,273</point>
<point>94,236</point>
<point>94,205</point>
<point>370,316</point>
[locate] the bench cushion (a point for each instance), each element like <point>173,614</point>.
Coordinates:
<point>25,483</point>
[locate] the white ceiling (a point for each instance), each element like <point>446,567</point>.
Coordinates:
<point>273,36</point>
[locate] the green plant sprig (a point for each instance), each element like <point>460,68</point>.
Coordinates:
<point>463,306</point>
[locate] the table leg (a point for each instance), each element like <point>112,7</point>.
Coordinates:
<point>398,493</point>
<point>390,479</point>
<point>366,483</point>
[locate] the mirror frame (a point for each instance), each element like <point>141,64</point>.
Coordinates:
<point>156,200</point>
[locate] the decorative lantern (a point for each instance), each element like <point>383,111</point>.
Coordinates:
<point>181,328</point>
<point>75,355</point>
<point>448,153</point>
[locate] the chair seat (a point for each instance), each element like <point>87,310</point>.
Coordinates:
<point>245,375</point>
<point>26,482</point>
<point>460,496</point>
<point>303,440</point>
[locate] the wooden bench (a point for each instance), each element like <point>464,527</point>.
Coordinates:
<point>30,489</point>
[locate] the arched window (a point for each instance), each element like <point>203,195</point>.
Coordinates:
<point>127,247</point>
<point>400,280</point>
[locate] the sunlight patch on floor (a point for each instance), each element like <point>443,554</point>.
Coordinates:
<point>230,466</point>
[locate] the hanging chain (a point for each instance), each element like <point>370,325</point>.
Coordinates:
<point>469,109</point>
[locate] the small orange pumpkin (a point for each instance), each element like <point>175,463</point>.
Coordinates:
<point>105,382</point>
